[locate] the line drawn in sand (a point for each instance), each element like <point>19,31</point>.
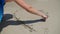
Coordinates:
<point>28,26</point>
<point>23,23</point>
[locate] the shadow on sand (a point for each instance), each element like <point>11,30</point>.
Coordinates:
<point>5,22</point>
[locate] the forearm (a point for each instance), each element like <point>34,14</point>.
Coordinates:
<point>8,0</point>
<point>28,7</point>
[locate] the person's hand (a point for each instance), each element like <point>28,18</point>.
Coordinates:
<point>44,18</point>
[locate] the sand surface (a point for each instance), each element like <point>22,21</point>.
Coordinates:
<point>33,24</point>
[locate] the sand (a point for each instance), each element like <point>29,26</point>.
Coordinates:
<point>32,23</point>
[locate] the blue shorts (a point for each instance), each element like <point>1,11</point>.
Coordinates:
<point>2,2</point>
